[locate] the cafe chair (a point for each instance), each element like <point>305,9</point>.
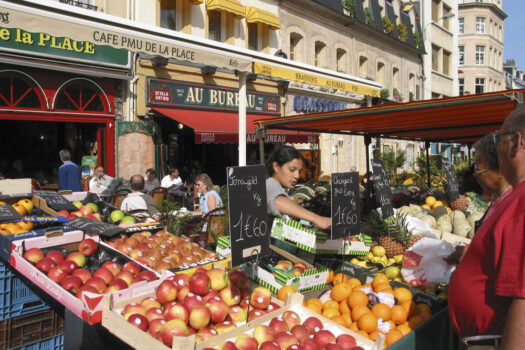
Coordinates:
<point>158,194</point>
<point>35,185</point>
<point>118,196</point>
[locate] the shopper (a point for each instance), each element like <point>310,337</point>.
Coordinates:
<point>151,182</point>
<point>68,173</point>
<point>283,167</point>
<point>137,200</point>
<point>487,290</point>
<point>99,182</point>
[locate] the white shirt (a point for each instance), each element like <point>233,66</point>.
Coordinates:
<point>97,185</point>
<point>167,181</point>
<point>138,200</point>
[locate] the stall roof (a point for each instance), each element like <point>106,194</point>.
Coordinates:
<point>462,119</point>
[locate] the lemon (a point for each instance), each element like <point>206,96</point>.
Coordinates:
<point>398,258</point>
<point>430,200</point>
<point>378,251</point>
<point>392,272</point>
<point>391,261</point>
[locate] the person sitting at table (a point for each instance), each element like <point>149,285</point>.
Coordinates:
<point>209,199</point>
<point>99,182</point>
<point>173,183</point>
<point>283,167</point>
<point>151,182</point>
<point>137,200</point>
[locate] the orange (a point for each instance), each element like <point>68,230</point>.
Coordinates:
<point>410,307</point>
<point>339,278</point>
<point>430,200</point>
<point>381,311</point>
<point>367,322</point>
<point>315,308</point>
<point>368,285</point>
<point>343,307</point>
<point>281,295</point>
<point>363,333</point>
<point>331,312</point>
<point>339,319</point>
<point>373,335</point>
<point>347,318</point>
<point>330,276</point>
<point>398,314</point>
<point>393,336</point>
<point>359,311</point>
<point>402,294</point>
<point>382,287</point>
<point>415,321</point>
<point>425,315</point>
<point>353,326</point>
<point>331,304</point>
<point>314,301</point>
<point>404,329</point>
<point>357,297</point>
<point>341,292</point>
<point>422,307</point>
<point>380,279</point>
<point>353,282</point>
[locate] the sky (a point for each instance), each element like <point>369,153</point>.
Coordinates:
<point>513,32</point>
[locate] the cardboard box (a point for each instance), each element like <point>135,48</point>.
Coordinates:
<point>89,308</point>
<point>16,186</point>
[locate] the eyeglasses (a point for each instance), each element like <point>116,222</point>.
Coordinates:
<point>477,172</point>
<point>497,135</point>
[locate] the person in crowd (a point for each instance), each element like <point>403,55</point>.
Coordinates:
<point>486,295</point>
<point>99,181</point>
<point>283,167</point>
<point>172,181</point>
<point>68,173</point>
<point>209,199</point>
<point>137,200</point>
<point>151,182</point>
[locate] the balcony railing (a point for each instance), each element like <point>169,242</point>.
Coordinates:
<point>79,4</point>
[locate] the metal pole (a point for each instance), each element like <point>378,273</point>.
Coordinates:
<point>368,141</point>
<point>242,118</point>
<point>469,146</point>
<point>427,146</point>
<point>262,134</point>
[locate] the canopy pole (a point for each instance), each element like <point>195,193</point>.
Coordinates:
<point>469,148</point>
<point>242,118</point>
<point>261,133</point>
<point>368,141</point>
<point>427,146</point>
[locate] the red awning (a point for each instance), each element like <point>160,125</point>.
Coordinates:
<point>222,127</point>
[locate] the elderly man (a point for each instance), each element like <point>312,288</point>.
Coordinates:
<point>137,200</point>
<point>99,182</point>
<point>487,290</point>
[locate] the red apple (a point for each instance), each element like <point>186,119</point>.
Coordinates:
<point>63,212</point>
<point>56,255</point>
<point>228,346</point>
<point>71,283</point>
<point>332,346</point>
<point>182,294</point>
<point>245,303</point>
<point>261,297</point>
<point>255,313</point>
<point>151,302</point>
<point>245,342</point>
<point>57,274</point>
<point>155,326</point>
<point>324,337</point>
<point>125,276</point>
<point>139,321</point>
<point>133,308</point>
<point>291,318</point>
<point>224,327</point>
<point>272,307</point>
<point>230,295</point>
<point>191,300</point>
<point>238,279</point>
<point>105,274</point>
<point>200,316</point>
<point>45,264</point>
<point>285,340</point>
<point>200,283</point>
<point>218,278</point>
<point>177,311</point>
<point>154,313</point>
<point>83,274</point>
<point>132,267</point>
<point>346,341</point>
<point>205,334</point>
<point>117,284</point>
<point>87,247</point>
<point>85,288</point>
<point>212,294</point>
<point>269,346</point>
<point>181,280</point>
<point>166,291</point>
<point>245,292</point>
<point>68,265</point>
<point>85,210</point>
<point>78,258</point>
<point>147,275</point>
<point>237,313</point>
<point>278,325</point>
<point>218,309</point>
<point>263,333</point>
<point>313,324</point>
<point>113,267</point>
<point>310,344</point>
<point>98,283</point>
<point>33,255</point>
<point>301,332</point>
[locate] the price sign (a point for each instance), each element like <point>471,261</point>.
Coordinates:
<point>55,200</point>
<point>248,218</point>
<point>453,185</point>
<point>345,205</point>
<point>383,191</point>
<point>8,213</point>
<point>100,228</point>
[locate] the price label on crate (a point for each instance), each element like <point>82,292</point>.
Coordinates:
<point>383,191</point>
<point>345,205</point>
<point>98,227</point>
<point>55,201</point>
<point>8,213</point>
<point>248,218</point>
<point>453,185</point>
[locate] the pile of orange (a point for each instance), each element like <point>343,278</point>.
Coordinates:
<point>349,307</point>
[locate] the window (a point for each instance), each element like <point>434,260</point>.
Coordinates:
<point>319,53</point>
<point>168,14</point>
<point>380,73</point>
<point>253,36</point>
<point>435,58</point>
<point>295,40</point>
<point>461,55</point>
<point>480,85</point>
<point>341,56</point>
<point>80,96</point>
<point>461,25</point>
<point>18,91</point>
<point>435,10</point>
<point>480,54</point>
<point>479,0</point>
<point>214,25</point>
<point>461,86</point>
<point>363,67</point>
<point>446,62</point>
<point>480,25</point>
<point>447,12</point>
<point>395,78</point>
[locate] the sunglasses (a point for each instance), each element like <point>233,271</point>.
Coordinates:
<point>477,171</point>
<point>496,136</point>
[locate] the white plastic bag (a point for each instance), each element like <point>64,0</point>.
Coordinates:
<point>423,263</point>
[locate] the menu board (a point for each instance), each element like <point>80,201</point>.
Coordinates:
<point>345,205</point>
<point>8,213</point>
<point>55,201</point>
<point>383,191</point>
<point>453,185</point>
<point>98,227</point>
<point>248,218</point>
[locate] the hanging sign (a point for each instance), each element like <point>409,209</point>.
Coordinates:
<point>345,205</point>
<point>383,191</point>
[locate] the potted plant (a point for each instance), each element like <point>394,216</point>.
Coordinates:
<point>369,18</point>
<point>402,29</point>
<point>388,25</point>
<point>349,7</point>
<point>418,40</point>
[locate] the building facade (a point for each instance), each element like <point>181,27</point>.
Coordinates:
<point>514,77</point>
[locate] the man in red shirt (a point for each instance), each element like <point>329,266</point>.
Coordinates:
<point>487,290</point>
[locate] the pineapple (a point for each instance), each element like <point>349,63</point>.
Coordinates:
<point>459,204</point>
<point>391,233</point>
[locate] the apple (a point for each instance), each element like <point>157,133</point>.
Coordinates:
<point>85,210</point>
<point>150,302</point>
<point>166,291</point>
<point>228,346</point>
<point>98,283</point>
<point>261,297</point>
<point>83,274</point>
<point>212,294</point>
<point>313,324</point>
<point>272,307</point>
<point>116,215</point>
<point>132,267</point>
<point>224,327</point>
<point>104,273</point>
<point>85,288</point>
<point>97,216</point>
<point>147,275</point>
<point>291,318</point>
<point>45,264</point>
<point>77,204</point>
<point>218,278</point>
<point>269,345</point>
<point>33,255</point>
<point>78,258</point>
<point>245,292</point>
<point>285,263</point>
<point>63,212</point>
<point>182,294</point>
<point>245,303</point>
<point>93,207</point>
<point>154,313</point>
<point>301,332</point>
<point>245,342</point>
<point>173,328</point>
<point>237,313</point>
<point>278,325</point>
<point>218,309</point>
<point>238,279</point>
<point>285,340</point>
<point>346,341</point>
<point>332,346</point>
<point>133,308</point>
<point>87,247</point>
<point>139,321</point>
<point>113,267</point>
<point>310,344</point>
<point>155,326</point>
<point>177,311</point>
<point>116,284</point>
<point>56,255</point>
<point>56,274</point>
<point>255,313</point>
<point>27,204</point>
<point>20,209</point>
<point>200,316</point>
<point>125,276</point>
<point>199,283</point>
<point>230,295</point>
<point>71,283</point>
<point>324,337</point>
<point>205,334</point>
<point>263,334</point>
<point>191,300</point>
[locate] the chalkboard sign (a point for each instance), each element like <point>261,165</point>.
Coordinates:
<point>248,218</point>
<point>345,205</point>
<point>55,201</point>
<point>453,185</point>
<point>8,213</point>
<point>98,227</point>
<point>383,191</point>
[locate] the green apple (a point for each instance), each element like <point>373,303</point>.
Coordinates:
<point>128,219</point>
<point>93,206</point>
<point>78,204</point>
<point>116,215</point>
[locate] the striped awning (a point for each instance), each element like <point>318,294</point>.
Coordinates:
<point>232,6</point>
<point>255,15</point>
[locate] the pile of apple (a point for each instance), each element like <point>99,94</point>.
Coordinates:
<point>72,274</point>
<point>287,332</point>
<point>296,269</point>
<point>160,251</point>
<point>22,207</point>
<point>206,304</point>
